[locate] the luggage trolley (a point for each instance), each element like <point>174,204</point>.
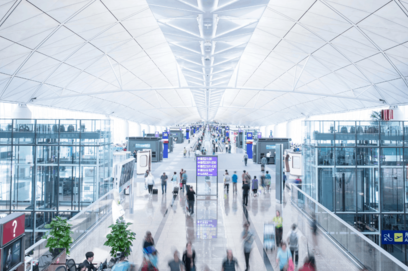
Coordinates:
<point>269,236</point>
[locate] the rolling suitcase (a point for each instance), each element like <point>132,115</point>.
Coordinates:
<point>155,191</point>
<point>175,190</point>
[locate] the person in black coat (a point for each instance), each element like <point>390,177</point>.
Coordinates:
<point>245,192</point>
<point>88,262</point>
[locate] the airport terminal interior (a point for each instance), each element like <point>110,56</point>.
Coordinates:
<point>200,135</point>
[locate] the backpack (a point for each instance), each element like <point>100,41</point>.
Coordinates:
<point>293,240</point>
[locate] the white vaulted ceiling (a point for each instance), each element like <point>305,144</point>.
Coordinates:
<point>163,62</point>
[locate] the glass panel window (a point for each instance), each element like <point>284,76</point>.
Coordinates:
<point>325,186</point>
<point>325,156</point>
<point>89,155</point>
<point>367,223</point>
<point>391,133</point>
<point>6,128</point>
<point>69,132</point>
<point>47,132</point>
<point>322,133</point>
<point>345,133</point>
<point>47,187</point>
<point>5,177</point>
<point>23,131</point>
<point>367,190</point>
<point>69,188</point>
<point>367,133</point>
<point>89,185</point>
<point>391,156</point>
<point>91,132</point>
<point>345,186</point>
<point>69,155</point>
<point>367,156</point>
<point>345,156</point>
<point>47,155</point>
<point>23,155</point>
<point>22,188</point>
<point>392,189</point>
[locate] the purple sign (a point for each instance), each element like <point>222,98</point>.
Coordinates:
<point>207,166</point>
<point>206,228</point>
<point>156,134</point>
<point>259,135</point>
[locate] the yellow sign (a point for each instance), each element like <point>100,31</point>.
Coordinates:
<point>398,237</point>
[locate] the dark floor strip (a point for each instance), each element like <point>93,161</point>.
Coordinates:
<point>258,242</point>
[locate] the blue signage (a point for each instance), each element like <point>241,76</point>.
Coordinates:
<point>394,237</point>
<point>142,145</point>
<point>270,147</point>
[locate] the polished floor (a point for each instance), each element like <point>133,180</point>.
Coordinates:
<point>216,224</point>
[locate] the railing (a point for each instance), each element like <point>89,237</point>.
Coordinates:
<point>82,223</point>
<point>358,246</point>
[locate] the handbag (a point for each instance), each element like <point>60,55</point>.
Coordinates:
<point>291,266</point>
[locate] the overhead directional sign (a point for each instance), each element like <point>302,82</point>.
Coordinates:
<point>394,237</point>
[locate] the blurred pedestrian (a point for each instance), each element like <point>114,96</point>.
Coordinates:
<point>248,238</point>
<point>189,257</point>
<point>293,241</point>
<point>283,256</point>
<point>310,264</point>
<point>278,220</point>
<point>234,181</point>
<point>176,264</point>
<point>229,262</point>
<point>245,193</point>
<point>268,180</point>
<point>255,186</point>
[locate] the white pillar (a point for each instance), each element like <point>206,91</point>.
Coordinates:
<point>126,128</point>
<point>22,112</point>
<point>138,129</point>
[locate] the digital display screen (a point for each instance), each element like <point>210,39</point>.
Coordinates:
<point>206,228</point>
<point>270,147</point>
<point>207,166</point>
<point>127,173</point>
<point>12,255</point>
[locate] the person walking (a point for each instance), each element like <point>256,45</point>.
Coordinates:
<point>263,163</point>
<point>148,240</point>
<point>184,180</point>
<point>246,158</point>
<point>248,238</point>
<point>278,220</point>
<point>189,257</point>
<point>293,238</point>
<point>229,262</point>
<point>176,264</point>
<point>174,180</point>
<point>268,180</point>
<point>234,182</point>
<point>227,180</point>
<point>191,199</point>
<point>189,152</point>
<point>263,180</point>
<point>184,152</point>
<point>255,186</point>
<point>245,193</point>
<point>164,182</point>
<point>243,176</point>
<point>181,174</point>
<point>283,256</point>
<point>150,182</point>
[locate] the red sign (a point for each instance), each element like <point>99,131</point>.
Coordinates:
<point>13,229</point>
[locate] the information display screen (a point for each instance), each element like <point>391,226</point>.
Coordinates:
<point>206,228</point>
<point>127,173</point>
<point>12,255</point>
<point>207,165</point>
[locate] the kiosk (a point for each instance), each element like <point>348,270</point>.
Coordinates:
<point>142,143</point>
<point>240,140</point>
<point>165,139</point>
<point>249,141</point>
<point>177,135</point>
<point>263,146</point>
<point>187,133</point>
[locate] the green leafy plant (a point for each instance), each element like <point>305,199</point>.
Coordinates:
<point>120,239</point>
<point>376,116</point>
<point>59,237</point>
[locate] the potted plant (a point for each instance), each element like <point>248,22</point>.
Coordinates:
<point>59,237</point>
<point>120,238</point>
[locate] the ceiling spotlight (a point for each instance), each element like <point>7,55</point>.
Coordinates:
<point>33,99</point>
<point>381,100</point>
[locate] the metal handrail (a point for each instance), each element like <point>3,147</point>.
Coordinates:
<point>352,229</point>
<point>36,244</point>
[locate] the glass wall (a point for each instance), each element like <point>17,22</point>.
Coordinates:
<point>358,169</point>
<point>52,168</point>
